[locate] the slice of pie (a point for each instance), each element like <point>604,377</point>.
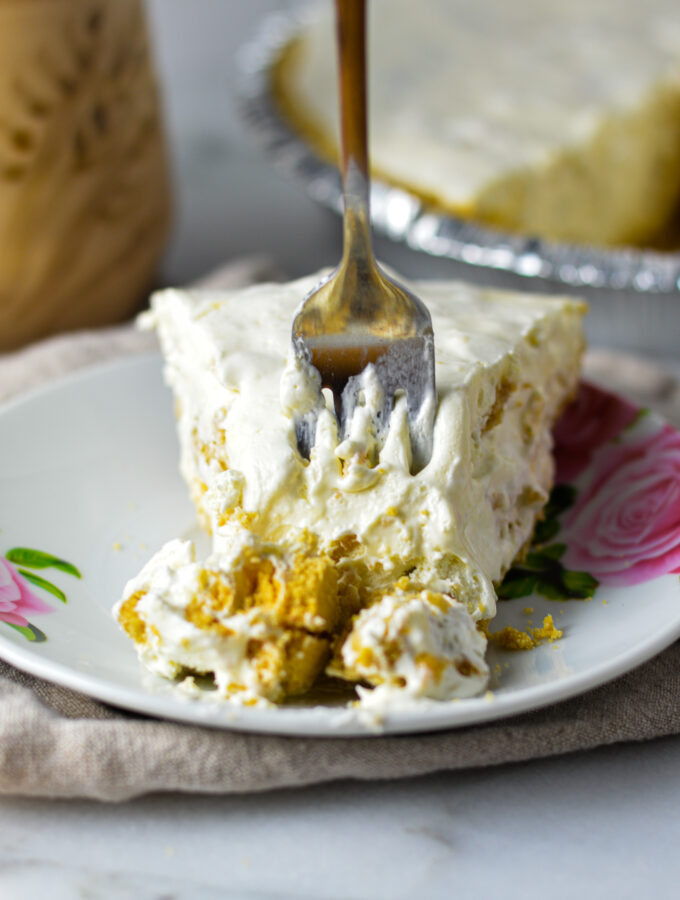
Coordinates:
<point>348,561</point>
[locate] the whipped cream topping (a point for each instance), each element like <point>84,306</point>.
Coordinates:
<point>504,365</point>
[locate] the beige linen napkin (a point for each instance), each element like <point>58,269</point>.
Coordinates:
<point>55,742</point>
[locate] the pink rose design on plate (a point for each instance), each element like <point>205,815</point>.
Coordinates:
<point>16,598</point>
<point>624,528</point>
<point>593,419</point>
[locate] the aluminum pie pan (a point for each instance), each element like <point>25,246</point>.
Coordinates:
<point>403,217</point>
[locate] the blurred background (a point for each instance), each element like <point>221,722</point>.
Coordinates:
<point>225,198</point>
<point>87,198</point>
<point>230,200</point>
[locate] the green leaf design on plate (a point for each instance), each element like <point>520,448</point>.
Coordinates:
<point>44,584</point>
<point>553,552</point>
<point>544,559</point>
<point>36,559</point>
<point>30,632</point>
<point>551,591</point>
<point>546,530</point>
<point>580,584</point>
<point>542,572</point>
<point>562,497</point>
<point>522,585</point>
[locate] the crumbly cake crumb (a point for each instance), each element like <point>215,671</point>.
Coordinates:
<point>510,638</point>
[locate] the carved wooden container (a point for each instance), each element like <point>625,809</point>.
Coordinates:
<point>84,197</point>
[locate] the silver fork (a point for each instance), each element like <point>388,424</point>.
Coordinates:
<point>359,318</point>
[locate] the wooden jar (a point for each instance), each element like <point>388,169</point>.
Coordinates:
<point>84,196</point>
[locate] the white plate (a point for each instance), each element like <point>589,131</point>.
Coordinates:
<point>88,473</point>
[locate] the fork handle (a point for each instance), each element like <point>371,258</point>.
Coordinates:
<point>351,38</point>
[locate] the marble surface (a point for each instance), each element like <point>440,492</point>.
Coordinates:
<point>597,825</point>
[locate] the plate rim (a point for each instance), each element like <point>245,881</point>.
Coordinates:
<point>63,379</point>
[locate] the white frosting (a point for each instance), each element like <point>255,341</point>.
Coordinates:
<point>458,521</point>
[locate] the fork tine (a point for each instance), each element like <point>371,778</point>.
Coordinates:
<point>421,404</point>
<point>407,367</point>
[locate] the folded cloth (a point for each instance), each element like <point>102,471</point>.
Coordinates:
<point>56,742</point>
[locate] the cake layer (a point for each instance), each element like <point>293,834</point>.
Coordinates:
<point>255,618</point>
<point>549,118</point>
